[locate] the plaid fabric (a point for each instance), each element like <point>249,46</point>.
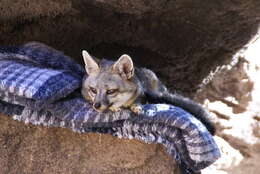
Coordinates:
<point>32,75</point>
<point>39,85</point>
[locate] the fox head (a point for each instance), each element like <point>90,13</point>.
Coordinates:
<point>109,85</point>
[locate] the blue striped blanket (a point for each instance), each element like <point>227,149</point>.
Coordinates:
<point>41,85</point>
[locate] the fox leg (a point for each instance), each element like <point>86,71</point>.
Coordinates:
<point>136,108</point>
<point>114,109</point>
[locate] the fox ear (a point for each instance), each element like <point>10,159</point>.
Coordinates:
<point>90,64</point>
<point>124,66</point>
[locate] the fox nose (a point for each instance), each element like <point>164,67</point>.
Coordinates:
<point>97,105</point>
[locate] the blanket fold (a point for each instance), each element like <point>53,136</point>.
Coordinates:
<point>41,85</point>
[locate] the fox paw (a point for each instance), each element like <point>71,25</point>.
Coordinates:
<point>137,109</point>
<point>115,109</point>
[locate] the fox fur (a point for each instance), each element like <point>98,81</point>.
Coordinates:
<point>111,85</point>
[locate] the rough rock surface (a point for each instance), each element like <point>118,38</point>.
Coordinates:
<point>233,96</point>
<point>230,158</point>
<point>182,40</point>
<point>34,149</point>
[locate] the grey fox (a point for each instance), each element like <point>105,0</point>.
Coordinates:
<point>112,85</point>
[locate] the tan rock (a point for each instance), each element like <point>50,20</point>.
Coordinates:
<point>230,158</point>
<point>234,97</point>
<point>183,41</point>
<point>35,149</point>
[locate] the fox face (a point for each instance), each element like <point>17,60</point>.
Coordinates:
<point>109,85</point>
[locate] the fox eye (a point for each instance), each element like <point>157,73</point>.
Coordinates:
<point>111,91</point>
<point>93,90</point>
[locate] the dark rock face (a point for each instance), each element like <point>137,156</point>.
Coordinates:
<point>182,41</point>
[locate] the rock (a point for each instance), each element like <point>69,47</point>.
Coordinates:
<point>30,149</point>
<point>230,158</point>
<point>181,40</point>
<point>233,97</point>
<point>248,165</point>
